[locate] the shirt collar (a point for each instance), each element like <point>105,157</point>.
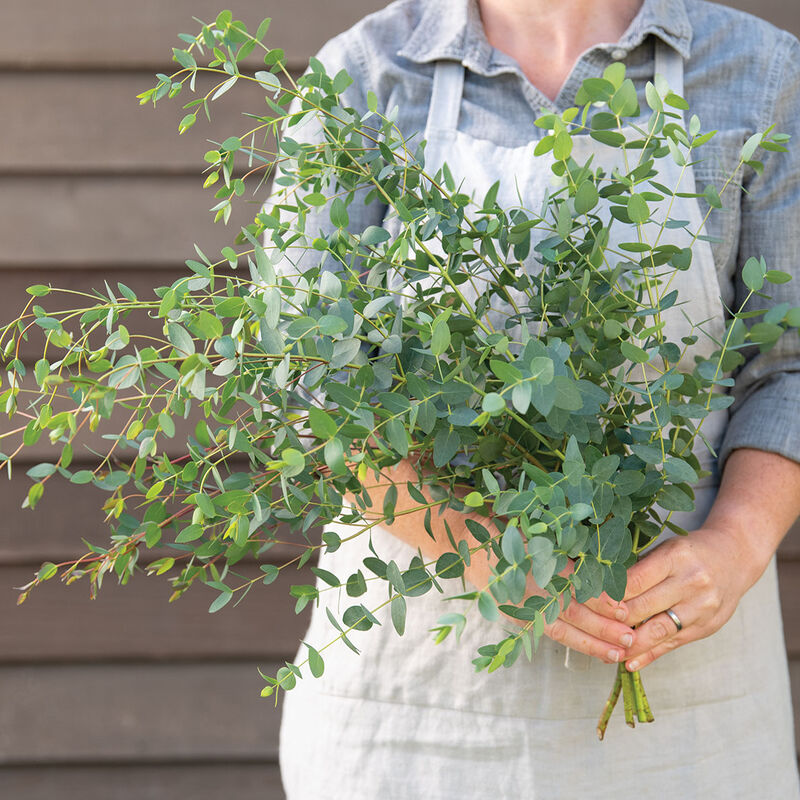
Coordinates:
<point>452,30</point>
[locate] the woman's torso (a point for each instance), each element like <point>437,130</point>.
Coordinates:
<point>404,711</point>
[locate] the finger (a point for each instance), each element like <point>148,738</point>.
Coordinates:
<point>614,633</point>
<point>648,572</point>
<point>648,657</point>
<point>564,633</point>
<point>659,631</point>
<point>663,595</point>
<point>608,607</point>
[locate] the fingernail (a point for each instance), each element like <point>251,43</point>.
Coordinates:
<point>633,666</point>
<point>620,614</point>
<point>613,655</point>
<point>626,640</point>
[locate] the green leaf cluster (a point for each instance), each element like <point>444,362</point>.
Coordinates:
<point>514,357</point>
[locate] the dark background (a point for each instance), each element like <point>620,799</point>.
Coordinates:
<point>128,696</point>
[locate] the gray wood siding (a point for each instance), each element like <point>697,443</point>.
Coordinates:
<point>129,697</point>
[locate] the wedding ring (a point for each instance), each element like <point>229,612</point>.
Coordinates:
<point>674,617</point>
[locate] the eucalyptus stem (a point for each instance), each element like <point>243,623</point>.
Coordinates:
<point>611,703</point>
<point>642,704</point>
<point>636,704</point>
<point>628,698</point>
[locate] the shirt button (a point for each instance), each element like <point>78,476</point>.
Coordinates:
<point>618,54</point>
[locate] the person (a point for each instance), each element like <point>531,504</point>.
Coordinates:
<point>406,719</point>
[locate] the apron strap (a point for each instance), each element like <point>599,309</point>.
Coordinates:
<point>669,64</point>
<point>445,106</point>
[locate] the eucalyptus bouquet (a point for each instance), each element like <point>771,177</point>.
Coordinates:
<point>516,359</point>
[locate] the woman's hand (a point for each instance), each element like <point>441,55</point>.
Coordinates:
<point>700,577</point>
<point>592,628</point>
<point>703,576</point>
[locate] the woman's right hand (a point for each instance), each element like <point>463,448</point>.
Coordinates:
<point>592,627</point>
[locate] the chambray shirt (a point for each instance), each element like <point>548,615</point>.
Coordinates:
<point>741,76</point>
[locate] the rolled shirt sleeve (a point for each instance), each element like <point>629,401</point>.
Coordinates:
<point>766,411</point>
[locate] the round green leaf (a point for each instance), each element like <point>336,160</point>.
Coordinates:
<point>638,210</point>
<point>294,461</point>
<point>440,340</point>
<point>493,404</point>
<point>315,662</point>
<point>612,329</point>
<point>232,144</point>
<point>474,500</point>
<point>777,276</point>
<point>753,274</point>
<point>338,211</point>
<point>634,353</point>
<point>221,600</point>
<point>586,197</point>
<point>562,146</point>
<point>187,122</point>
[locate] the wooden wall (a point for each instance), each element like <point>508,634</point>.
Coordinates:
<point>129,696</point>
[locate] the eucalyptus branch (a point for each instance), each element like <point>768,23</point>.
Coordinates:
<point>496,350</point>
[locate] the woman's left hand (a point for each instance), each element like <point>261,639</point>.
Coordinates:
<point>700,577</point>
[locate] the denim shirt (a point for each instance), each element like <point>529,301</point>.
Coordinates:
<point>742,75</point>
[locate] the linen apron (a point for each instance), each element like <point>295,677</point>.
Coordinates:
<point>410,719</point>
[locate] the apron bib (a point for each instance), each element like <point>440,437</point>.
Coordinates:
<point>410,719</point>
